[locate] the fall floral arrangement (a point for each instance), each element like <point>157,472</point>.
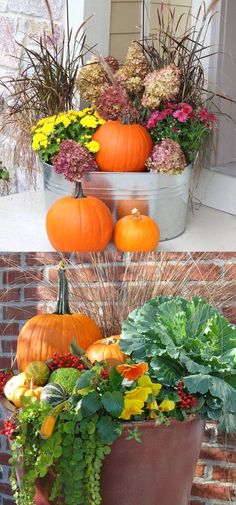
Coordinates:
<point>174,360</point>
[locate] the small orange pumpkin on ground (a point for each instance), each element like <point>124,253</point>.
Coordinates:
<point>123,147</point>
<point>79,224</point>
<point>106,349</point>
<point>124,207</point>
<point>45,334</point>
<point>136,233</point>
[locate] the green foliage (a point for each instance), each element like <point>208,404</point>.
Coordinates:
<point>190,135</point>
<point>4,174</point>
<point>189,340</point>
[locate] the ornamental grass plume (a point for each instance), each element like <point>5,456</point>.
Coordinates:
<point>134,70</point>
<point>73,161</point>
<point>167,157</point>
<point>114,104</point>
<point>93,77</point>
<point>161,85</point>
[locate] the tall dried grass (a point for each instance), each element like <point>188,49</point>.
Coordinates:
<point>109,290</point>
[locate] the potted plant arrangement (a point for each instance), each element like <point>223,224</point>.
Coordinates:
<point>155,121</point>
<point>123,419</point>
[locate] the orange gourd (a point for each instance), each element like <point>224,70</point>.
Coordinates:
<point>45,334</point>
<point>25,392</point>
<point>106,349</point>
<point>124,207</point>
<point>136,233</point>
<point>123,147</point>
<point>79,224</point>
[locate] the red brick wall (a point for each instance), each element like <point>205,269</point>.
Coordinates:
<point>28,286</point>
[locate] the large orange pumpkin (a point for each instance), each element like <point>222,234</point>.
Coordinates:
<point>79,224</point>
<point>136,233</point>
<point>123,147</point>
<point>45,334</point>
<point>106,349</point>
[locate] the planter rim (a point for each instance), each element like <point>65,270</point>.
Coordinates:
<point>151,422</point>
<point>137,174</point>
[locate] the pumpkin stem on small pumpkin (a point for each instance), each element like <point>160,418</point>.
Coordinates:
<point>32,384</point>
<point>136,214</point>
<point>78,190</point>
<point>63,291</point>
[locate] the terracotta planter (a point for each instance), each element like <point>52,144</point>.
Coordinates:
<point>159,471</point>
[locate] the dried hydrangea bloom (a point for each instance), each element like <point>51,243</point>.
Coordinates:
<point>114,104</point>
<point>161,85</point>
<point>167,157</point>
<point>134,70</point>
<point>93,77</point>
<point>73,161</point>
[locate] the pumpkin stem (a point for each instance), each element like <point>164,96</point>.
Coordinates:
<point>126,119</point>
<point>136,214</point>
<point>78,190</point>
<point>32,384</point>
<point>63,291</point>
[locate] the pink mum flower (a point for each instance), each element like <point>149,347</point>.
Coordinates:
<point>181,115</point>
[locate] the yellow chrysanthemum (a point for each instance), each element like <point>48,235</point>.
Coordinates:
<point>48,128</point>
<point>145,382</point>
<point>167,405</point>
<point>63,119</point>
<point>92,146</point>
<point>39,140</point>
<point>138,394</point>
<point>89,122</point>
<point>131,408</point>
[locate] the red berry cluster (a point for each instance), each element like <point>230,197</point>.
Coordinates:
<point>9,428</point>
<point>4,377</point>
<point>104,374</point>
<point>65,361</point>
<point>186,401</point>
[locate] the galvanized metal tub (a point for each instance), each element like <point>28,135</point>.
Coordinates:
<point>164,197</point>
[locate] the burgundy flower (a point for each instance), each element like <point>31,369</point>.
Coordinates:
<point>73,160</point>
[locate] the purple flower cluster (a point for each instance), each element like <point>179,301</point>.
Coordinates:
<point>114,104</point>
<point>73,161</point>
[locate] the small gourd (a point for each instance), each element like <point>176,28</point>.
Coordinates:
<point>136,233</point>
<point>38,371</point>
<point>26,392</point>
<point>54,394</point>
<point>15,382</point>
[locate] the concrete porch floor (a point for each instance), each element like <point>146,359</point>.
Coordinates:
<point>22,227</point>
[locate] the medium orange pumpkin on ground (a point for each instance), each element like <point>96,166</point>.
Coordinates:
<point>45,334</point>
<point>136,233</point>
<point>79,224</point>
<point>106,349</point>
<point>123,147</point>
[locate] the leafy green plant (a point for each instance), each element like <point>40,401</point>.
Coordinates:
<point>189,341</point>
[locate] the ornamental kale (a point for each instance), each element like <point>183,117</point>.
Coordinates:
<point>189,341</point>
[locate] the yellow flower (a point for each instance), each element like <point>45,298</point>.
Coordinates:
<point>138,393</point>
<point>167,405</point>
<point>152,406</point>
<point>145,381</point>
<point>62,118</point>
<point>131,408</point>
<point>48,128</point>
<point>89,122</point>
<point>39,140</point>
<point>92,146</point>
